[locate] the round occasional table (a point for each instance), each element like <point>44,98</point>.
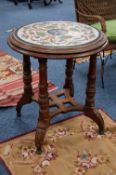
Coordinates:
<point>57,40</point>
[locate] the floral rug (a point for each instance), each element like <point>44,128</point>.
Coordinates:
<point>106,55</point>
<point>71,147</point>
<point>11,82</point>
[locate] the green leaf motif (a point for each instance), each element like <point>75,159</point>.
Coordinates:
<point>40,33</point>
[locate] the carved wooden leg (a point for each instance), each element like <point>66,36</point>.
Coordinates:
<point>27,79</point>
<point>68,80</point>
<point>90,110</point>
<point>44,117</point>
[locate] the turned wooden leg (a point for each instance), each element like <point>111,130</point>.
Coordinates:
<point>44,117</point>
<point>90,110</point>
<point>27,79</point>
<point>68,80</point>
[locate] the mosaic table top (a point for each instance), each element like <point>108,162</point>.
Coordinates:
<point>57,33</point>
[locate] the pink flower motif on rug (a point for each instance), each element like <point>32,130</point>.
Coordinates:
<point>24,153</point>
<point>49,154</point>
<point>87,160</point>
<point>90,130</point>
<point>60,133</point>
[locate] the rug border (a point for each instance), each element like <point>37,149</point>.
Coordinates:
<point>5,166</point>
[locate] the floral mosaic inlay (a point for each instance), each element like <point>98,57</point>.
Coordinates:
<point>57,33</point>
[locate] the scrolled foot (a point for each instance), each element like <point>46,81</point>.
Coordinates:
<point>18,114</point>
<point>39,151</point>
<point>95,115</point>
<point>24,100</point>
<point>18,110</point>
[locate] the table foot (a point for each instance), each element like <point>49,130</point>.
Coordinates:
<point>39,139</point>
<point>95,115</point>
<point>39,151</point>
<point>24,100</point>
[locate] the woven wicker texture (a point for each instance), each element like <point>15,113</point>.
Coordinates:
<point>98,11</point>
<point>105,8</point>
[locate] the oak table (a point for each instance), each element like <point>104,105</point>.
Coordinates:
<point>57,40</point>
